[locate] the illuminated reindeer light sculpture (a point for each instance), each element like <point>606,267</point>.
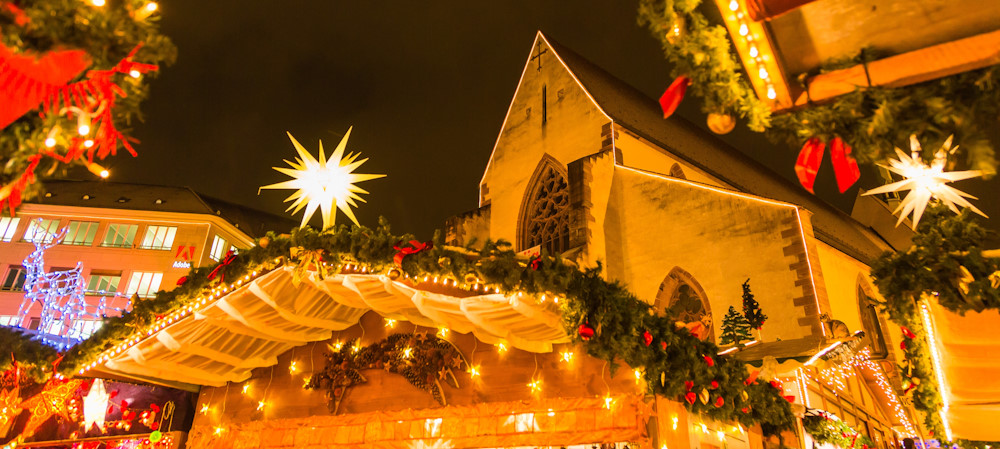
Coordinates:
<point>60,293</point>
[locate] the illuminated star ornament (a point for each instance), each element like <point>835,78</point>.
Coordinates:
<point>325,184</point>
<point>926,182</point>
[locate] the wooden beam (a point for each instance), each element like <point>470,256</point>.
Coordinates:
<point>769,9</point>
<point>913,67</point>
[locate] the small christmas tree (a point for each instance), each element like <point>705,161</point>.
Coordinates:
<point>735,328</point>
<point>751,310</point>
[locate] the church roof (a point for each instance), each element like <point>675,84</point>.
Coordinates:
<point>633,110</point>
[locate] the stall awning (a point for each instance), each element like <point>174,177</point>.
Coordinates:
<point>970,361</point>
<point>249,327</point>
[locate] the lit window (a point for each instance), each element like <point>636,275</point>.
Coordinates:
<point>103,283</point>
<point>218,248</point>
<point>41,230</point>
<point>120,236</point>
<point>14,280</point>
<point>8,226</point>
<point>545,212</point>
<point>144,284</point>
<point>81,233</point>
<point>9,320</point>
<point>159,237</point>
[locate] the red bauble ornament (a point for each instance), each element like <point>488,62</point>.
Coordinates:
<point>807,165</point>
<point>776,384</point>
<point>691,397</point>
<point>720,402</point>
<point>154,426</point>
<point>586,332</point>
<point>672,97</point>
<point>714,385</point>
<point>663,345</point>
<point>902,345</point>
<point>647,338</point>
<point>745,409</point>
<point>908,333</point>
<point>844,165</point>
<point>709,361</point>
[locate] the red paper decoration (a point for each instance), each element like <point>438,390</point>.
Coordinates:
<point>844,165</point>
<point>752,378</point>
<point>691,397</point>
<point>586,332</point>
<point>663,345</point>
<point>672,97</point>
<point>709,361</point>
<point>719,402</point>
<point>647,338</point>
<point>908,333</point>
<point>688,385</point>
<point>807,165</point>
<point>25,81</point>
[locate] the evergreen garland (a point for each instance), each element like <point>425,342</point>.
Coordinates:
<point>824,428</point>
<point>671,360</point>
<point>872,120</point>
<point>107,34</point>
<point>703,53</point>
<point>875,120</point>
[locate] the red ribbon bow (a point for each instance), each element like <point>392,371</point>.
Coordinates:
<point>415,247</point>
<point>535,262</point>
<point>230,257</point>
<point>811,157</point>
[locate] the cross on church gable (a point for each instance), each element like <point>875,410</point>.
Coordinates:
<point>538,55</point>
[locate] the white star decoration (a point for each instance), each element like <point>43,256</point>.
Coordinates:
<point>95,406</point>
<point>325,184</point>
<point>926,182</point>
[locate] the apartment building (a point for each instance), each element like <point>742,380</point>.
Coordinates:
<point>130,239</point>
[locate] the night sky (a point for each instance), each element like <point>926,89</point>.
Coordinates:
<point>426,86</point>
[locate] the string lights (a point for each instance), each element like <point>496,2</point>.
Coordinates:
<point>756,52</point>
<point>925,315</point>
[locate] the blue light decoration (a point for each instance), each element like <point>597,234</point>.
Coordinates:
<point>64,313</point>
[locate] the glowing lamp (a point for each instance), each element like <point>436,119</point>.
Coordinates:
<point>98,170</point>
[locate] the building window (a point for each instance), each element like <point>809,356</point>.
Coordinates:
<point>682,297</point>
<point>159,237</point>
<point>677,172</point>
<point>545,211</point>
<point>144,284</point>
<point>40,231</point>
<point>81,233</point>
<point>871,324</point>
<point>13,281</point>
<point>103,282</point>
<point>218,249</point>
<point>8,226</point>
<point>120,235</point>
<point>9,320</point>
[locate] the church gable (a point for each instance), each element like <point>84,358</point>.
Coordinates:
<point>551,118</point>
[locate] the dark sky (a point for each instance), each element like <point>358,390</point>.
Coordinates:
<point>425,85</point>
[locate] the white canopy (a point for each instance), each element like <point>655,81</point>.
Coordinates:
<point>249,327</point>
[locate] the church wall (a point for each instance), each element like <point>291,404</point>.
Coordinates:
<point>721,239</point>
<point>572,130</point>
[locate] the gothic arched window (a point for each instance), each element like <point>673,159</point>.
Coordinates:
<point>686,300</point>
<point>677,172</point>
<point>871,323</point>
<point>545,210</point>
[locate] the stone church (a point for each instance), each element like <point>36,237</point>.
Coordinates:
<point>585,166</point>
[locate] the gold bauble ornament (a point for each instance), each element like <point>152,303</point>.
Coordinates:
<point>721,123</point>
<point>264,241</point>
<point>471,279</point>
<point>394,273</point>
<point>676,30</point>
